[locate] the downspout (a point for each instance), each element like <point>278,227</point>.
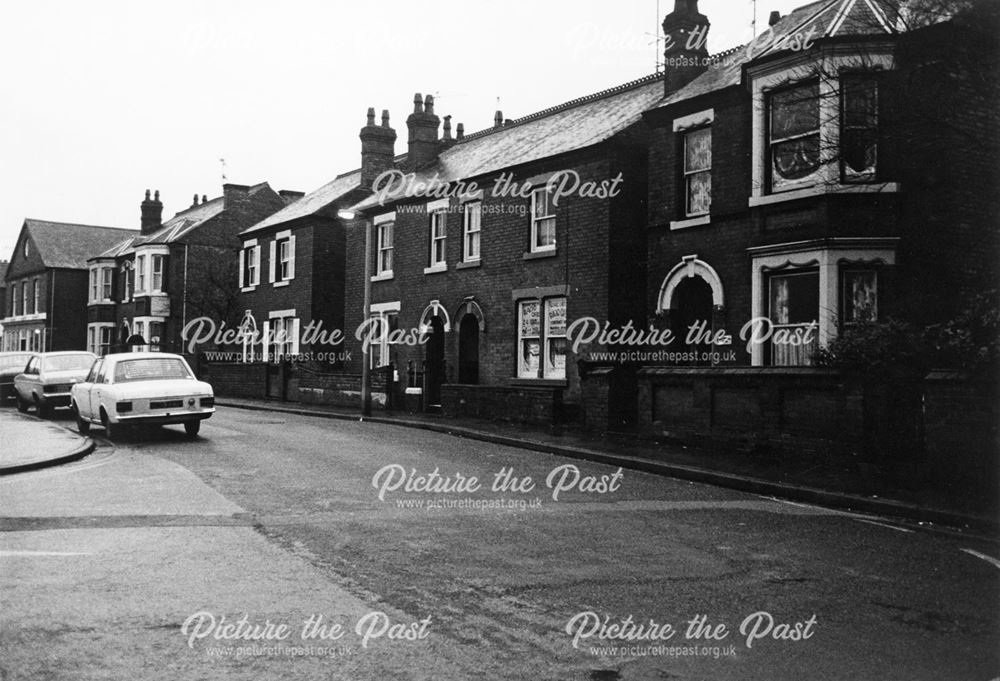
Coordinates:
<point>184,296</point>
<point>52,313</point>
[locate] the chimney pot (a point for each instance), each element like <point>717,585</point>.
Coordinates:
<point>774,18</point>
<point>447,127</point>
<point>194,201</point>
<point>371,115</point>
<point>156,195</point>
<point>429,104</point>
<point>204,198</point>
<point>385,118</point>
<point>152,214</point>
<point>460,131</point>
<point>498,119</point>
<point>418,103</point>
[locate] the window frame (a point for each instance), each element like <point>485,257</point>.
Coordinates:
<point>770,141</point>
<point>790,273</point>
<point>156,277</point>
<point>848,176</point>
<point>470,209</point>
<point>544,339</point>
<point>689,174</point>
<point>438,232</point>
<point>537,220</point>
<point>384,254</point>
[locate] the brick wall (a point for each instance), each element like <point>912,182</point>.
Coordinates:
<point>537,406</point>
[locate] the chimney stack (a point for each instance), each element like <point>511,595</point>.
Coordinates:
<point>233,194</point>
<point>152,214</point>
<point>686,33</point>
<point>378,148</point>
<point>498,119</point>
<point>460,132</point>
<point>423,133</point>
<point>446,139</point>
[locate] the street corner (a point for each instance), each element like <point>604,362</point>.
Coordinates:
<point>28,443</point>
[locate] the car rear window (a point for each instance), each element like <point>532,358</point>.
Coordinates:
<point>15,361</point>
<point>67,362</point>
<point>150,369</point>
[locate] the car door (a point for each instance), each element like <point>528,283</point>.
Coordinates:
<point>86,405</point>
<point>99,388</point>
<point>29,379</point>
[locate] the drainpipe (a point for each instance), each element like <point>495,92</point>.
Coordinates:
<point>52,312</point>
<point>184,296</point>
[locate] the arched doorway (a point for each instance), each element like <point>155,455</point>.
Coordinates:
<point>468,350</point>
<point>434,358</point>
<point>691,308</point>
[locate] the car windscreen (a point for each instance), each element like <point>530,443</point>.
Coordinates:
<point>151,369</point>
<point>67,363</point>
<point>14,361</point>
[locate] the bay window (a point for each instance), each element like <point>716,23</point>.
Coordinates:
<point>859,127</point>
<point>793,136</point>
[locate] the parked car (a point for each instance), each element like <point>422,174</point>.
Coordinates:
<point>141,388</point>
<point>47,378</point>
<point>11,364</point>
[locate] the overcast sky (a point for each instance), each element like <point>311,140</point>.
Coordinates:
<point>102,100</point>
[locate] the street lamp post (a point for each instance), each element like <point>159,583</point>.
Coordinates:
<point>366,392</point>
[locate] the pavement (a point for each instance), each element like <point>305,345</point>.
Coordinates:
<point>28,442</point>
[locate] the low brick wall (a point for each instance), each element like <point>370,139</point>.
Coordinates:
<point>962,431</point>
<point>236,380</point>
<point>808,410</point>
<point>340,389</point>
<point>518,404</point>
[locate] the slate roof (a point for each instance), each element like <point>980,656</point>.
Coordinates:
<point>825,19</point>
<point>574,125</point>
<point>68,246</point>
<point>181,224</point>
<point>311,203</point>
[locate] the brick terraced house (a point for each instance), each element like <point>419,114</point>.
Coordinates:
<point>47,283</point>
<point>143,291</point>
<point>840,170</point>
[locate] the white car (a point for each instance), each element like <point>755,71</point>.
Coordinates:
<point>142,388</point>
<point>47,379</point>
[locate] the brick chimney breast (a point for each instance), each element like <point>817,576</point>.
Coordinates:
<point>422,125</point>
<point>378,148</point>
<point>152,214</point>
<point>686,33</point>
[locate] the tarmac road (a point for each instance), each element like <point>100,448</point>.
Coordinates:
<point>279,518</point>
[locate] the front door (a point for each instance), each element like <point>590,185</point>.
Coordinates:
<point>435,370</point>
<point>468,350</point>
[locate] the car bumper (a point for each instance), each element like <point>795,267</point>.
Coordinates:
<point>165,419</point>
<point>54,399</point>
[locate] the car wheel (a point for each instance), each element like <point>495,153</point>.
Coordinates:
<point>43,412</point>
<point>81,425</point>
<point>192,428</point>
<point>109,429</point>
<point>22,405</point>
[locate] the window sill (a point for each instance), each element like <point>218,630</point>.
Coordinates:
<point>436,269</point>
<point>691,222</point>
<point>283,282</point>
<point>538,255</point>
<point>384,276</point>
<point>539,382</point>
<point>468,264</point>
<point>248,289</point>
<point>808,192</point>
